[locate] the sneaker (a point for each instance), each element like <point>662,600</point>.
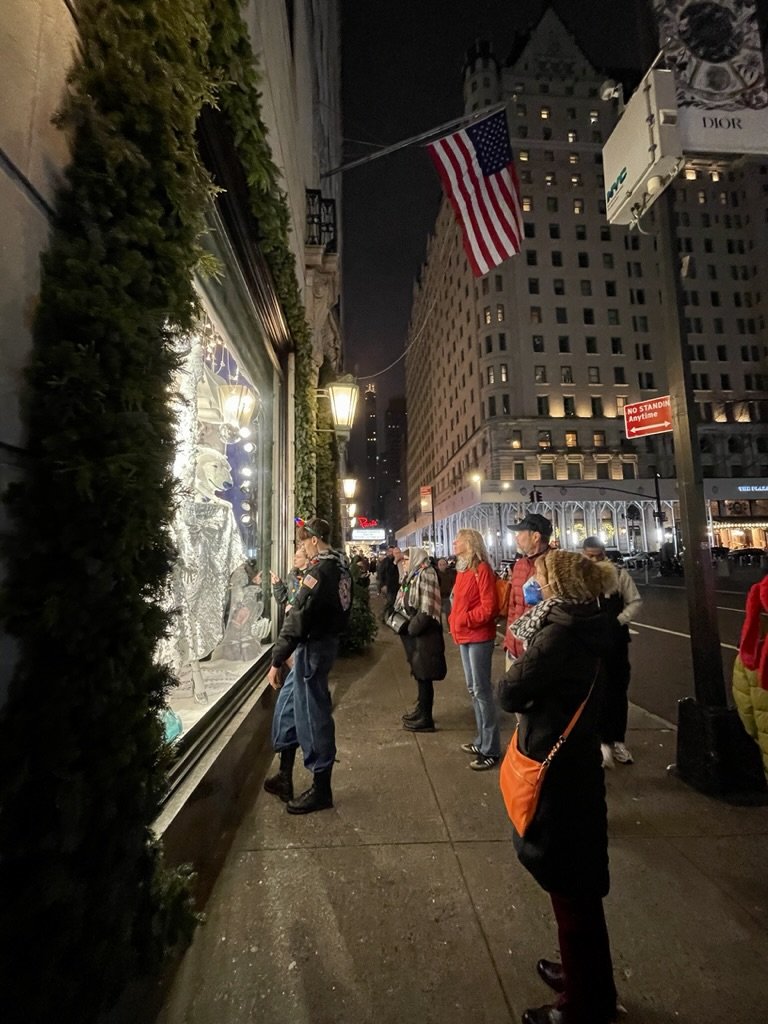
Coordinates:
<point>470,748</point>
<point>607,752</point>
<point>483,762</point>
<point>621,754</point>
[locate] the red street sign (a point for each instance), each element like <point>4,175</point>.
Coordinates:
<point>653,416</point>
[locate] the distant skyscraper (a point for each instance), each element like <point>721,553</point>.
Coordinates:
<point>392,493</point>
<point>371,490</point>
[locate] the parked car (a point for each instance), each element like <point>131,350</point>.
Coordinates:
<point>639,559</point>
<point>746,556</point>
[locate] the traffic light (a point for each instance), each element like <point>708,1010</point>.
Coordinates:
<point>536,496</point>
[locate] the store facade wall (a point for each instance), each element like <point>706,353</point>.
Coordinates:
<point>233,393</point>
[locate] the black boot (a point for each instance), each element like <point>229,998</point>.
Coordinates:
<point>411,716</point>
<point>421,721</point>
<point>281,784</point>
<point>317,798</point>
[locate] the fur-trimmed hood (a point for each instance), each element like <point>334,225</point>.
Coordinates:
<point>577,579</point>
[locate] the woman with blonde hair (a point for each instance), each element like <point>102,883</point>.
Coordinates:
<point>567,633</point>
<point>473,627</point>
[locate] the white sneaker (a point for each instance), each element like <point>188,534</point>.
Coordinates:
<point>621,754</point>
<point>607,753</point>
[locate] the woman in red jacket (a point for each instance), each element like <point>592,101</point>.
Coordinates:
<point>473,626</point>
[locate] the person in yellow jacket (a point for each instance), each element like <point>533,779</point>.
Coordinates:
<point>750,670</point>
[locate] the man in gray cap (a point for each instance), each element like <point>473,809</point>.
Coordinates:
<point>533,535</point>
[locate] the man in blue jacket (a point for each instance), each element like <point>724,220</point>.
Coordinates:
<point>308,644</point>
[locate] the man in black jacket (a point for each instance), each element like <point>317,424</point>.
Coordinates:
<point>308,643</point>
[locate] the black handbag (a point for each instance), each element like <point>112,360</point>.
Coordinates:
<point>397,622</point>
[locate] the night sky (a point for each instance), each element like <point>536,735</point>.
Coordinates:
<point>402,63</point>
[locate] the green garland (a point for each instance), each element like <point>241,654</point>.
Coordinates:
<point>86,902</point>
<point>231,54</point>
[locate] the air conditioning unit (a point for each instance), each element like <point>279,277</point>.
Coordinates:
<point>644,151</point>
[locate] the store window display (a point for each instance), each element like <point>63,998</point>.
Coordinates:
<point>221,609</point>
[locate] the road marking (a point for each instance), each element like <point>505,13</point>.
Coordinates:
<point>673,632</point>
<point>725,608</point>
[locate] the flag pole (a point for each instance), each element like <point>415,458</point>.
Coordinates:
<point>465,118</point>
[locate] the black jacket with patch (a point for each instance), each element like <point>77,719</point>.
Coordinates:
<point>321,607</point>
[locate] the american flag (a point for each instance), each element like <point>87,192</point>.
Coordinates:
<point>478,175</point>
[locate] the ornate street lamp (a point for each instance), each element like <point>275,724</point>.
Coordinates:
<point>349,486</point>
<point>343,394</point>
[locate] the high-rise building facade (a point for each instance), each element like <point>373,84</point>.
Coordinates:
<point>533,363</point>
<point>371,489</point>
<point>392,493</point>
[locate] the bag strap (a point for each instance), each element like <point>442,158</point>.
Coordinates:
<point>569,728</point>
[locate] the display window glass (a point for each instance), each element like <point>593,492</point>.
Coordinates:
<point>219,592</point>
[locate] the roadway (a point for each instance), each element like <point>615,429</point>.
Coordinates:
<point>661,648</point>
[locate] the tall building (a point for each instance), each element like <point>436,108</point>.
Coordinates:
<point>392,494</point>
<point>371,491</point>
<point>538,358</point>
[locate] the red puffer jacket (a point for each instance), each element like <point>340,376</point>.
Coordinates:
<point>474,609</point>
<point>522,570</point>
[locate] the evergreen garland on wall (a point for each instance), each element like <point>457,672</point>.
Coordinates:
<point>231,54</point>
<point>86,904</point>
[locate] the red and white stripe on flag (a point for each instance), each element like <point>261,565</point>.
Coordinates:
<point>478,174</point>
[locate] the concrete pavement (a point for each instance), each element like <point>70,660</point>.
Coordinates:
<point>405,903</point>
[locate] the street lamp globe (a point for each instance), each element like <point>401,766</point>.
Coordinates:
<point>349,486</point>
<point>343,395</point>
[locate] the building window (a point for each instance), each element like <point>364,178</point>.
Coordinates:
<point>535,314</point>
<point>571,439</point>
<point>645,381</point>
<point>569,405</point>
<point>566,375</point>
<point>488,345</point>
<point>540,375</point>
<point>603,470</point>
<point>618,375</point>
<point>616,347</point>
<point>621,401</point>
<point>581,232</point>
<point>503,341</point>
<point>519,471</point>
<point>545,439</point>
<point>500,312</point>
<point>573,136</point>
<point>585,287</point>
<point>487,315</point>
<point>588,315</point>
<point>613,317</point>
<point>550,179</point>
<point>538,342</point>
<point>527,204</point>
<point>492,406</point>
<point>529,229</point>
<point>608,261</point>
<point>597,406</point>
<point>593,374</point>
<point>594,117</point>
<point>491,375</point>
<point>533,286</point>
<point>561,315</point>
<point>554,231</point>
<point>547,470</point>
<point>503,373</point>
<point>558,286</point>
<point>517,439</point>
<point>598,438</point>
<point>628,470</point>
<point>590,343</point>
<point>505,405</point>
<point>574,471</point>
<point>578,206</point>
<point>545,113</point>
<point>542,405</point>
<point>531,257</point>
<point>583,259</point>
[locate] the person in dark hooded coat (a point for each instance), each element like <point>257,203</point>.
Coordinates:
<point>419,598</point>
<point>565,847</point>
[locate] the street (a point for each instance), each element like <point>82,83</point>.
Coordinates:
<point>661,651</point>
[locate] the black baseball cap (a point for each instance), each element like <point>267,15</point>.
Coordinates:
<point>535,523</point>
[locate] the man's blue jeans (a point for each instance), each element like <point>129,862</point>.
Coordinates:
<point>476,662</point>
<point>303,708</point>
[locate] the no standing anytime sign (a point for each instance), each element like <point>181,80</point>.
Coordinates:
<point>651,417</point>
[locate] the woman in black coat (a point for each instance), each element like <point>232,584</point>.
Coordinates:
<point>565,847</point>
<point>419,597</point>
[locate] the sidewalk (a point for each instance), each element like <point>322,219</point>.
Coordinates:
<point>405,903</point>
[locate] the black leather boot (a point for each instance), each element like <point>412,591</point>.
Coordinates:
<point>551,973</point>
<point>281,784</point>
<point>411,716</point>
<point>317,798</point>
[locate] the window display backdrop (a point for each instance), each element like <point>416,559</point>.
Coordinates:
<point>219,591</point>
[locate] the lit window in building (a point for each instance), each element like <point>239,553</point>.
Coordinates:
<point>517,439</point>
<point>550,179</point>
<point>527,204</point>
<point>573,136</point>
<point>545,436</point>
<point>594,117</point>
<point>598,438</point>
<point>487,315</point>
<point>540,374</point>
<point>523,156</point>
<point>621,401</point>
<point>503,373</point>
<point>701,196</point>
<point>690,174</point>
<point>573,158</point>
<point>545,113</point>
<point>576,179</point>
<point>714,175</point>
<point>578,206</point>
<point>571,439</point>
<point>500,316</point>
<point>491,375</point>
